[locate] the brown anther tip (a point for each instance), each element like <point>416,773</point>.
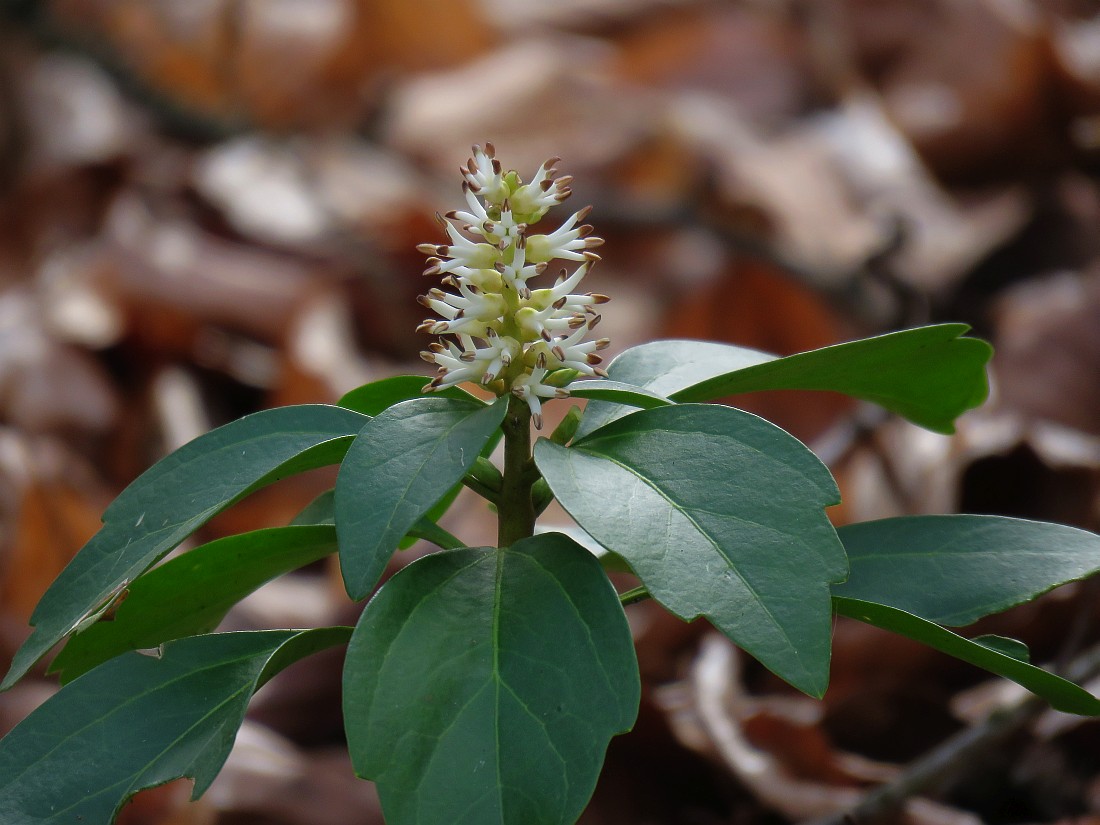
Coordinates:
<point>437,347</point>
<point>437,293</point>
<point>583,213</point>
<point>427,388</point>
<point>603,343</point>
<point>595,320</point>
<point>600,371</point>
<point>474,289</point>
<point>558,304</point>
<point>428,356</point>
<point>559,353</point>
<point>576,322</point>
<point>593,359</point>
<point>538,421</point>
<point>490,150</point>
<point>540,361</point>
<point>546,336</point>
<point>427,326</point>
<point>453,214</point>
<point>563,181</point>
<point>525,293</point>
<point>546,184</point>
<point>541,267</point>
<point>592,243</point>
<point>521,240</point>
<point>563,194</point>
<point>471,164</point>
<point>496,167</point>
<point>597,298</point>
<point>423,301</point>
<point>449,280</point>
<point>584,231</point>
<point>560,393</point>
<point>467,357</point>
<point>551,162</point>
<point>591,257</point>
<point>500,266</point>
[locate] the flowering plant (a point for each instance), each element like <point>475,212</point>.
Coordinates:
<point>482,684</point>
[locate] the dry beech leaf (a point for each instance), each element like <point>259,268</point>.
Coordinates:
<point>563,84</point>
<point>51,515</point>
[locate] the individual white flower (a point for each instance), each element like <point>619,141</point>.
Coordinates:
<point>530,388</point>
<point>535,198</point>
<point>574,244</point>
<point>471,363</point>
<point>483,174</point>
<point>573,352</point>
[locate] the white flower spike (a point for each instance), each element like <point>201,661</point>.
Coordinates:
<point>510,337</point>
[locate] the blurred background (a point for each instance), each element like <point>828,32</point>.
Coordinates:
<point>209,207</point>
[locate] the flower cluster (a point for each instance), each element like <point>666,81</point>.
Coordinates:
<point>497,328</point>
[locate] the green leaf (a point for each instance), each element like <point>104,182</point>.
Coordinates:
<point>322,510</point>
<point>371,399</point>
<point>139,721</point>
<point>721,515</point>
<point>1002,644</point>
<point>617,393</point>
<point>929,375</point>
<point>954,570</point>
<point>664,367</point>
<point>482,685</point>
<point>192,593</point>
<point>1062,694</point>
<point>175,497</point>
<point>402,463</point>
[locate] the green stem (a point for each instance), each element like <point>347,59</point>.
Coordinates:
<point>488,493</point>
<point>515,510</point>
<point>430,531</point>
<point>635,594</point>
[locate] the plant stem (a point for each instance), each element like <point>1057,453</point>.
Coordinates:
<point>430,531</point>
<point>515,510</point>
<point>634,595</point>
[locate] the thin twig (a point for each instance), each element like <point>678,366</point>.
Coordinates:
<point>955,755</point>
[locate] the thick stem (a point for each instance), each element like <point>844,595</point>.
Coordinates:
<point>515,511</point>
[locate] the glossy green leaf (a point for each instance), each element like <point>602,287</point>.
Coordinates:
<point>139,721</point>
<point>322,510</point>
<point>966,566</point>
<point>721,515</point>
<point>175,497</point>
<point>482,685</point>
<point>1062,694</point>
<point>192,593</point>
<point>371,399</point>
<point>665,367</point>
<point>618,393</point>
<point>930,375</point>
<point>1002,644</point>
<point>402,463</point>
